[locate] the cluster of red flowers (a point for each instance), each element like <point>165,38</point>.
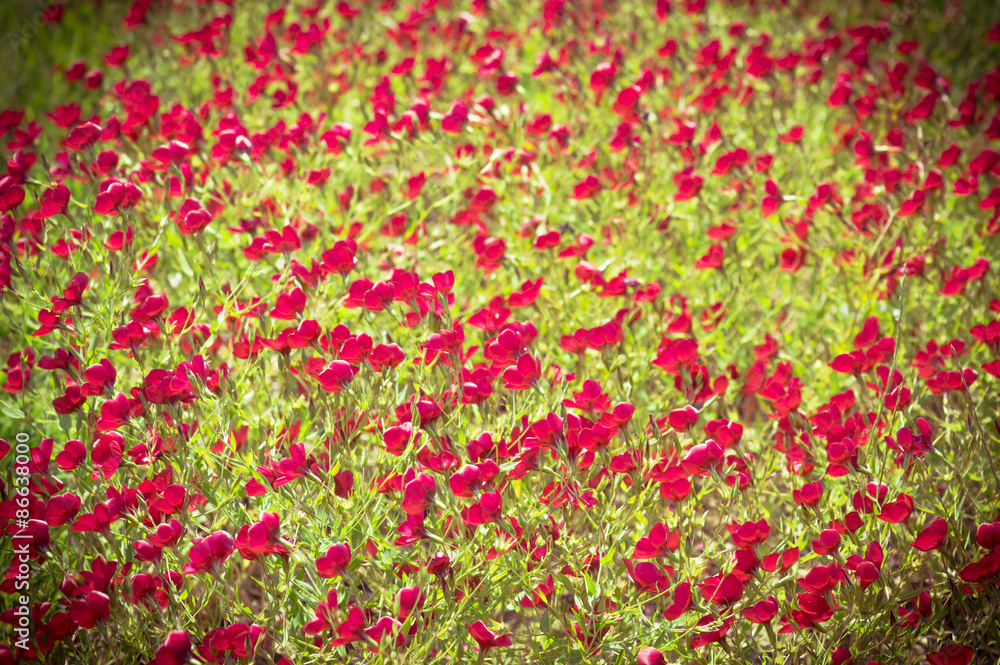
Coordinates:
<point>502,332</point>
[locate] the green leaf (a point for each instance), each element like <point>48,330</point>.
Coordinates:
<point>11,411</point>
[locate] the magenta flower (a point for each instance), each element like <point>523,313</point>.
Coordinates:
<point>335,562</point>
<point>209,553</point>
<point>486,638</point>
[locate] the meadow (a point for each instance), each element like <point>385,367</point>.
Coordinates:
<point>543,332</point>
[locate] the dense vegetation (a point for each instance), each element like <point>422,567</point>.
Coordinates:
<point>576,332</point>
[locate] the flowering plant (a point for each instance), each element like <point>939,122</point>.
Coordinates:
<point>597,332</point>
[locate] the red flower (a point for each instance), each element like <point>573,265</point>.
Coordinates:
<point>408,601</point>
<point>688,184</point>
<point>486,638</point>
<point>793,135</point>
<point>167,534</point>
<point>208,554</point>
<point>350,629</point>
<point>809,495</point>
<point>379,296</point>
<point>261,538</point>
<point>587,189</point>
<point>465,481</point>
<point>523,375</point>
<point>932,537</point>
<point>456,117</point>
<point>726,590</point>
<point>485,511</point>
<point>897,511</point>
<point>340,258</point>
<point>681,420</point>
<point>191,217</point>
<point>397,438</point>
<point>866,503</point>
<point>713,259</point>
<point>867,573</point>
<point>650,656</point>
<point>414,185</point>
<point>821,579</point>
<point>659,541</point>
<point>418,492</point>
<point>711,630</point>
<point>489,253</point>
<point>703,458</point>
<point>762,612</point>
<point>99,377</point>
<point>336,375</point>
<point>952,654</point>
<point>792,259</point>
<point>681,603</point>
<point>749,534</point>
<point>72,455</point>
<point>323,614</point>
<point>988,535</point>
<point>541,595</point>
<point>289,305</point>
<point>647,577</point>
<point>507,84</point>
<point>91,610</point>
<point>239,639</point>
<point>335,562</point>
<point>54,201</point>
<point>827,543</point>
<point>175,650</point>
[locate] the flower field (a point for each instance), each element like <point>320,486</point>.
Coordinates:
<point>595,331</point>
